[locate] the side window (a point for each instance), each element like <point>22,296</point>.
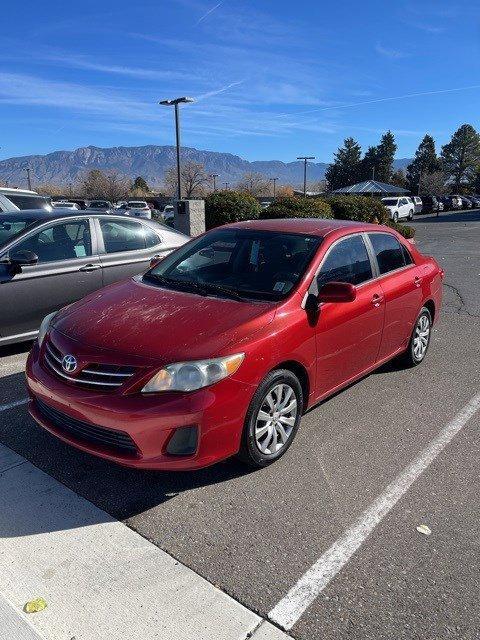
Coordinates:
<point>348,261</point>
<point>406,255</point>
<point>388,250</point>
<point>64,241</point>
<point>119,235</point>
<point>151,238</point>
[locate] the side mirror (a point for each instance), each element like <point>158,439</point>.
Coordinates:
<point>337,292</point>
<point>154,261</point>
<point>23,258</point>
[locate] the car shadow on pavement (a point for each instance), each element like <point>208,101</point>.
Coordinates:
<point>463,216</point>
<point>121,492</point>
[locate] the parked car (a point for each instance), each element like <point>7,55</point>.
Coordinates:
<point>430,204</point>
<point>399,208</point>
<point>220,348</point>
<point>465,203</point>
<point>441,206</point>
<point>59,204</point>
<point>19,199</point>
<point>48,260</point>
<point>451,203</point>
<point>418,204</point>
<point>475,201</point>
<point>138,209</point>
<point>168,213</point>
<point>102,205</point>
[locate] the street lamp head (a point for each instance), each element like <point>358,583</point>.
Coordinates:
<point>305,157</point>
<point>169,103</point>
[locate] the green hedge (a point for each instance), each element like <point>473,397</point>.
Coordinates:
<point>297,207</point>
<point>223,207</point>
<point>403,229</point>
<point>361,208</point>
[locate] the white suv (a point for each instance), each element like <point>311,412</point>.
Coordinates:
<point>16,199</point>
<point>399,208</point>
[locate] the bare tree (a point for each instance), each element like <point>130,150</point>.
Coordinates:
<point>97,184</point>
<point>47,189</point>
<point>193,176</point>
<point>254,183</point>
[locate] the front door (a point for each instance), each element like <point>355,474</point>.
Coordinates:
<point>66,271</point>
<point>349,333</point>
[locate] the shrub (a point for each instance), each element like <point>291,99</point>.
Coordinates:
<point>223,207</point>
<point>360,208</point>
<point>297,207</point>
<point>403,229</point>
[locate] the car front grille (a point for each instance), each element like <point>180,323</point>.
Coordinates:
<point>104,377</point>
<point>86,432</point>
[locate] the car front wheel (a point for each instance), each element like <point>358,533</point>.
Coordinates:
<point>272,419</point>
<point>419,340</point>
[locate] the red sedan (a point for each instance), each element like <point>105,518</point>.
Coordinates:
<point>221,347</point>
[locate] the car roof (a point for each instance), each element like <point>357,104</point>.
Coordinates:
<point>41,215</point>
<point>311,226</point>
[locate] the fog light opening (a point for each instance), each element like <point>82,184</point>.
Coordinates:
<point>183,442</point>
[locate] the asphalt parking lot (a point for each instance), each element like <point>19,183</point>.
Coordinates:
<point>255,534</point>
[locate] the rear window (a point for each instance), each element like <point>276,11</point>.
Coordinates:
<point>390,202</point>
<point>28,202</point>
<point>388,251</point>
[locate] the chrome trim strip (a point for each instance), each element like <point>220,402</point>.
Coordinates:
<point>79,380</point>
<point>103,373</point>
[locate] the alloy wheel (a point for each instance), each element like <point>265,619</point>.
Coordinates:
<point>276,419</point>
<point>421,337</point>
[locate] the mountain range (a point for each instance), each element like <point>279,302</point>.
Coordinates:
<point>151,162</point>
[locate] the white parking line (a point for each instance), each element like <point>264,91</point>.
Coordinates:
<point>11,405</point>
<point>313,582</point>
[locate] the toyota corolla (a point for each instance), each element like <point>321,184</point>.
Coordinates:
<point>221,347</point>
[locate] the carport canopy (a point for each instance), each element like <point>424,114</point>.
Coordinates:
<point>373,187</point>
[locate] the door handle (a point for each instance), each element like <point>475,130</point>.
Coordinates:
<point>377,300</point>
<point>417,281</point>
<point>90,267</point>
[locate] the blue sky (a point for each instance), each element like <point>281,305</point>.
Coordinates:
<point>272,79</point>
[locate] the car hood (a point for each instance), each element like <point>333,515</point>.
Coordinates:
<point>138,318</point>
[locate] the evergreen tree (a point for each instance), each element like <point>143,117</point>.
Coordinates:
<point>385,155</point>
<point>369,164</point>
<point>461,156</point>
<point>424,164</point>
<point>140,184</point>
<point>345,169</point>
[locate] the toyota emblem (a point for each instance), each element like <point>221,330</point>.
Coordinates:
<point>69,363</point>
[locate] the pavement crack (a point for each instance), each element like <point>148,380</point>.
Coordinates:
<point>462,306</point>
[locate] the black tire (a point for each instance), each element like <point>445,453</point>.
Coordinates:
<point>250,452</point>
<point>409,357</point>
<point>395,217</point>
<point>410,216</point>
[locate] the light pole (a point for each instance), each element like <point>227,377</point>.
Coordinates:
<point>175,103</point>
<point>29,177</point>
<point>305,160</point>
<point>226,186</point>
<point>274,180</point>
<point>214,176</point>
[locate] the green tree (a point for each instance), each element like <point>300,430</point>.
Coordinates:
<point>369,164</point>
<point>399,178</point>
<point>385,155</point>
<point>461,156</point>
<point>424,164</point>
<point>345,169</point>
<point>140,184</point>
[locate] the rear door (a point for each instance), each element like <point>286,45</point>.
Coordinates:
<point>348,334</point>
<point>400,282</point>
<point>67,270</point>
<point>127,246</point>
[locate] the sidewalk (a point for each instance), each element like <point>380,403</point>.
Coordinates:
<point>101,580</point>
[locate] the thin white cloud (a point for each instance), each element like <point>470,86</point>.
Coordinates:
<point>394,54</point>
<point>209,94</point>
<point>205,15</point>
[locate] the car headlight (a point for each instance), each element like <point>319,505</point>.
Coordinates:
<point>189,376</point>
<point>44,327</point>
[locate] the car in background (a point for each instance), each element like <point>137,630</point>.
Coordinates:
<point>430,204</point>
<point>401,208</point>
<point>465,203</point>
<point>451,203</point>
<point>50,259</point>
<point>220,348</point>
<point>19,199</point>
<point>60,204</point>
<point>102,206</point>
<point>168,214</point>
<point>138,209</point>
<point>417,202</point>
<point>475,201</point>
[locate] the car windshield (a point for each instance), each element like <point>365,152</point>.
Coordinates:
<point>99,205</point>
<point>11,227</point>
<point>238,263</point>
<point>138,205</point>
<point>390,202</point>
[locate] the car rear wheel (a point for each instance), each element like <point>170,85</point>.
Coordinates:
<point>410,215</point>
<point>395,216</point>
<point>272,419</point>
<point>419,341</point>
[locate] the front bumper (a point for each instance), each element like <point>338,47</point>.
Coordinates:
<point>150,420</point>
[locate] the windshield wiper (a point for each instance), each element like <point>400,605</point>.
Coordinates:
<point>203,288</point>
<point>231,293</point>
